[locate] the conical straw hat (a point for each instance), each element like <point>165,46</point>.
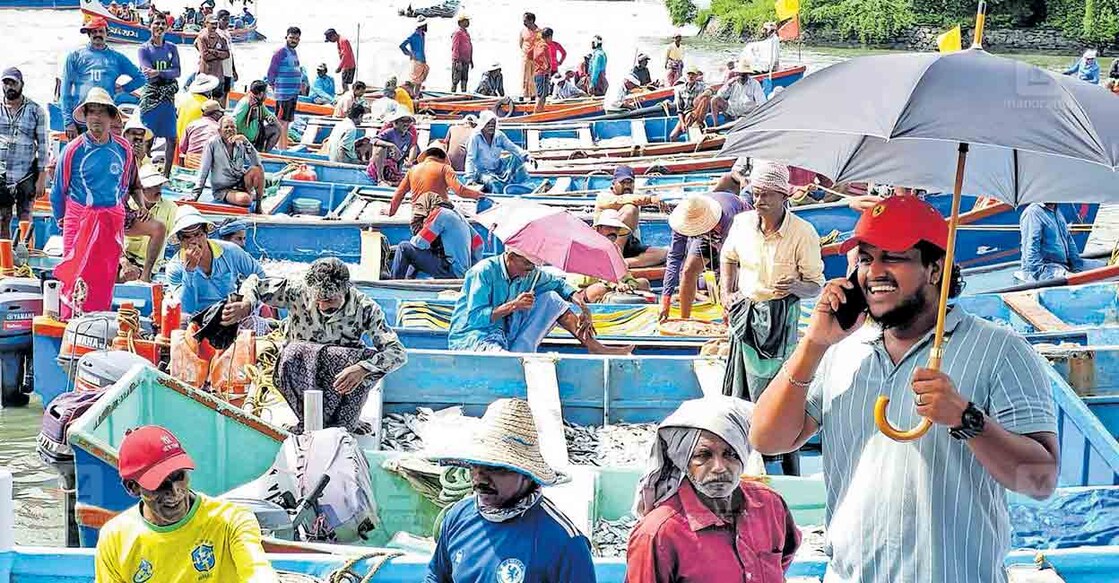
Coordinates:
<point>507,438</point>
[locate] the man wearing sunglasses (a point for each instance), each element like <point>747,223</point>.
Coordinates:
<point>175,534</point>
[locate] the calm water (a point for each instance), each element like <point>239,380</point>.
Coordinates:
<point>37,42</point>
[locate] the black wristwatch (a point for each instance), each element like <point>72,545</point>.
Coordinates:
<point>971,423</point>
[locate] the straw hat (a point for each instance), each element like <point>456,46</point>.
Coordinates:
<point>203,83</point>
<point>507,438</point>
<point>399,115</point>
<point>187,217</point>
<point>611,218</point>
<point>435,147</point>
<point>534,259</point>
<point>744,65</point>
<point>96,96</point>
<point>462,16</point>
<point>695,215</point>
<point>135,123</point>
<point>211,106</point>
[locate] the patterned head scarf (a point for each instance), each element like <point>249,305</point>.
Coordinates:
<point>328,278</point>
<point>771,176</point>
<point>677,436</point>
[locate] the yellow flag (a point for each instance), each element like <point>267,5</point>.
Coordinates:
<point>949,42</point>
<point>786,8</point>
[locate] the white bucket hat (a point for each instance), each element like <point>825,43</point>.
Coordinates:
<point>695,215</point>
<point>151,177</point>
<point>507,438</point>
<point>611,218</point>
<point>399,115</point>
<point>135,123</point>
<point>186,217</point>
<point>496,66</point>
<point>203,83</point>
<point>744,64</point>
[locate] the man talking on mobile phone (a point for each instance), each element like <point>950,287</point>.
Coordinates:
<point>933,509</point>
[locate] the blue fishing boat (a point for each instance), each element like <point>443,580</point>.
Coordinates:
<point>53,4</point>
<point>123,31</point>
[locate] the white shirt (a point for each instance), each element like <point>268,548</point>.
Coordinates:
<point>616,97</point>
<point>793,250</point>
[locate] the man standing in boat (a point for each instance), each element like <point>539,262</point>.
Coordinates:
<point>415,47</point>
<point>1048,249</point>
<point>596,75</point>
<point>527,40</point>
<point>228,65</point>
<point>462,55</point>
<point>347,64</point>
<point>159,61</point>
<point>213,50</point>
<point>770,261</point>
<point>674,60</point>
<point>327,319</point>
<point>175,530</point>
<point>509,304</point>
<point>95,65</point>
<point>937,505</point>
<point>285,77</point>
<point>508,531</point>
<point>23,153</point>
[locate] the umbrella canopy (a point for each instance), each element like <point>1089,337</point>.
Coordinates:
<point>1032,135</point>
<point>557,237</point>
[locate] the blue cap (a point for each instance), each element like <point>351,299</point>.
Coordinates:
<point>13,74</point>
<point>623,172</point>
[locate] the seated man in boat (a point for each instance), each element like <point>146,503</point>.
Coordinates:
<point>327,319</point>
<point>692,99</point>
<point>196,135</point>
<point>430,182</point>
<point>492,83</point>
<point>699,224</point>
<point>1048,249</point>
<point>608,224</point>
<point>621,198</point>
<point>356,94</point>
<point>485,164</point>
<point>233,230</point>
<point>384,107</point>
<point>641,72</point>
<point>700,518</point>
<point>458,139</point>
<point>145,239</point>
<point>393,148</point>
<point>322,88</point>
<point>739,95</point>
<point>175,530</point>
<point>769,262</point>
<point>992,417</point>
<point>343,138</point>
<point>255,120</point>
<point>509,304</point>
<point>616,100</point>
<point>231,165</point>
<point>445,247</point>
<point>204,272</point>
<point>508,530</point>
<point>564,86</point>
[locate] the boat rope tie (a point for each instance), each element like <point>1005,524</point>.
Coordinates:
<point>78,297</point>
<point>128,325</point>
<point>346,573</point>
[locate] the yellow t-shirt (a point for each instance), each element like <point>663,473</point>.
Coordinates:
<point>189,110</point>
<point>675,53</point>
<point>404,99</point>
<point>164,212</point>
<point>217,541</point>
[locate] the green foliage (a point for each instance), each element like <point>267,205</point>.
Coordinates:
<point>1101,21</point>
<point>745,16</point>
<point>681,11</point>
<point>870,21</point>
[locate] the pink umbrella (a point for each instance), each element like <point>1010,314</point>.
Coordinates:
<point>556,237</point>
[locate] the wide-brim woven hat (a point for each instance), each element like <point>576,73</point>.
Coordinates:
<point>203,83</point>
<point>695,215</point>
<point>507,438</point>
<point>96,96</point>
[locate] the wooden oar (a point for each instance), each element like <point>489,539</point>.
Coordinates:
<point>1087,276</point>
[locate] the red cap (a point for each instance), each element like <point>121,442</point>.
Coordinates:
<point>151,453</point>
<point>897,224</point>
<point>95,22</point>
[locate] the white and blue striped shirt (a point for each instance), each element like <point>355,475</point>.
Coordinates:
<point>926,510</point>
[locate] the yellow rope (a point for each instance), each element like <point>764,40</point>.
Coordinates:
<point>128,325</point>
<point>346,573</point>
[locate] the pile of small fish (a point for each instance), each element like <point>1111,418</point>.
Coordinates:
<point>610,537</point>
<point>623,444</point>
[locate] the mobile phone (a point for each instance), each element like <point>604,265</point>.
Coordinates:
<point>848,313</point>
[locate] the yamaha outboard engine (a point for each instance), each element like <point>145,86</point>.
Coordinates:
<point>21,299</point>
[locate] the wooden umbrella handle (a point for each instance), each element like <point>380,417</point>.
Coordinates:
<point>892,432</point>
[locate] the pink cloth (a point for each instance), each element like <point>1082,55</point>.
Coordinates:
<point>682,540</point>
<point>462,50</point>
<point>84,230</point>
<point>197,135</point>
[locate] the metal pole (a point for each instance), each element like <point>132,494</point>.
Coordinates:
<point>7,512</point>
<point>357,50</point>
<point>312,410</point>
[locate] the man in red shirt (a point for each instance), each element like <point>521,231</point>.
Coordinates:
<point>347,64</point>
<point>541,68</point>
<point>462,54</point>
<point>700,521</point>
<point>556,53</point>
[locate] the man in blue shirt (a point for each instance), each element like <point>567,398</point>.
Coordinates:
<point>285,77</point>
<point>508,531</point>
<point>92,66</point>
<point>205,271</point>
<point>484,163</point>
<point>1048,249</point>
<point>1086,69</point>
<point>415,47</point>
<point>322,90</point>
<point>23,151</point>
<point>460,247</point>
<point>509,304</point>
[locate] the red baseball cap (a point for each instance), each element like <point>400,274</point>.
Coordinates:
<point>95,22</point>
<point>151,453</point>
<point>897,224</point>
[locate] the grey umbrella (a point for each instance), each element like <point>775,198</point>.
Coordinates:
<point>959,121</point>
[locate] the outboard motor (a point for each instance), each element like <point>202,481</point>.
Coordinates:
<point>21,299</point>
<point>89,333</point>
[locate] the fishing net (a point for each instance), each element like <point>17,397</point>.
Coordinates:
<point>286,577</point>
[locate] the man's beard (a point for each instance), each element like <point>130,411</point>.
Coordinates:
<point>903,314</point>
<point>12,94</point>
